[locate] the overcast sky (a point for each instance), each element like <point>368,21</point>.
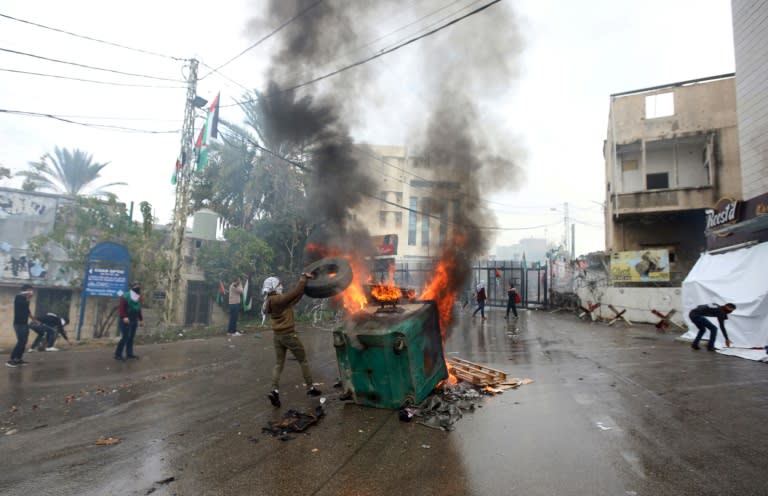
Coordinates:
<point>574,55</point>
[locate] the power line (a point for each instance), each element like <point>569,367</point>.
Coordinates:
<point>85,124</point>
<point>275,31</point>
<point>361,47</point>
<point>87,66</point>
<point>392,49</point>
<point>89,80</point>
<point>223,76</point>
<point>379,54</point>
<point>92,39</point>
<point>402,207</point>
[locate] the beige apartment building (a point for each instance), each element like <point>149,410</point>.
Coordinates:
<point>671,153</point>
<point>412,205</point>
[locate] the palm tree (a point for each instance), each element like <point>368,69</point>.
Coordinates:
<point>69,173</point>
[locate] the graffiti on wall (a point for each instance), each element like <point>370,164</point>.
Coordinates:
<point>23,216</point>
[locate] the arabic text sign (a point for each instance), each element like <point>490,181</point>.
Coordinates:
<point>105,282</point>
<point>640,266</point>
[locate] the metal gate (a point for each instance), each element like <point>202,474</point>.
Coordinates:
<point>199,303</point>
<point>530,282</point>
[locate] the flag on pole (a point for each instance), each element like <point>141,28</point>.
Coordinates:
<point>220,295</point>
<point>176,172</point>
<point>210,130</point>
<point>247,297</point>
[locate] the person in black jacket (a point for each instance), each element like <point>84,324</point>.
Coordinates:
<point>49,327</point>
<point>21,318</point>
<point>699,317</point>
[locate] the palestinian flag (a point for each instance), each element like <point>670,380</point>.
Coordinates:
<point>247,296</point>
<point>210,130</point>
<point>220,295</point>
<point>176,172</point>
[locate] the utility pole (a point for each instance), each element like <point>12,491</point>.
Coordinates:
<point>566,222</point>
<point>573,241</point>
<point>173,298</point>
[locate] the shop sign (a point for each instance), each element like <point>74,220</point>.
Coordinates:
<point>724,212</point>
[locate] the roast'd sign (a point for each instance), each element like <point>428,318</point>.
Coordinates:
<point>723,213</point>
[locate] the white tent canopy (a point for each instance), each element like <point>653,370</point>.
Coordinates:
<point>738,277</point>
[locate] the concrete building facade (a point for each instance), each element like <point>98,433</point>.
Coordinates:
<point>750,40</point>
<point>671,153</point>
<point>411,204</point>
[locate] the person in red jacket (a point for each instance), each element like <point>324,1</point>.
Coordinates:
<point>130,318</point>
<point>480,297</point>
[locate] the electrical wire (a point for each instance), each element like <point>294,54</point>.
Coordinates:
<point>92,39</point>
<point>378,54</point>
<point>397,205</point>
<point>90,80</point>
<point>86,124</point>
<point>366,45</point>
<point>264,38</point>
<point>15,52</point>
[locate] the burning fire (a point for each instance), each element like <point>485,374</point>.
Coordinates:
<point>442,288</point>
<point>353,298</point>
<point>386,293</point>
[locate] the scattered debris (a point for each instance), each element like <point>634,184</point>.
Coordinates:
<point>13,409</point>
<point>166,480</point>
<point>474,373</point>
<point>11,432</point>
<point>293,421</point>
<point>107,441</point>
<point>426,446</point>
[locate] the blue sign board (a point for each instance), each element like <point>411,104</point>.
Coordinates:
<point>105,282</point>
<point>106,274</point>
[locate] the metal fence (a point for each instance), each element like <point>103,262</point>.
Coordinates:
<point>531,282</point>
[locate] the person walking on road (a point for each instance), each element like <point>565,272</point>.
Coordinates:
<point>130,318</point>
<point>49,327</point>
<point>21,316</point>
<point>512,300</point>
<point>480,297</point>
<point>235,300</point>
<point>699,318</point>
<point>279,307</point>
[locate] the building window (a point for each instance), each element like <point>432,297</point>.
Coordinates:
<point>661,105</point>
<point>382,219</point>
<point>657,181</point>
<point>399,198</point>
<point>629,165</point>
<point>443,224</point>
<point>425,222</point>
<point>398,219</point>
<point>413,203</point>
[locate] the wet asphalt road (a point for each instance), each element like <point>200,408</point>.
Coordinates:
<point>612,411</point>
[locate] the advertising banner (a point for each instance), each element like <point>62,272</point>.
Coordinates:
<point>640,266</point>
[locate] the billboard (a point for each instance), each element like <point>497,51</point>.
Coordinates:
<point>386,245</point>
<point>640,266</point>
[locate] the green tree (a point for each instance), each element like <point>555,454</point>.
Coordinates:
<point>253,189</point>
<point>70,173</point>
<point>83,223</point>
<point>242,254</point>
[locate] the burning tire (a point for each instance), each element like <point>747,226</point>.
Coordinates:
<point>331,277</point>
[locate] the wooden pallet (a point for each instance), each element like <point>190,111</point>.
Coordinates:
<point>476,374</point>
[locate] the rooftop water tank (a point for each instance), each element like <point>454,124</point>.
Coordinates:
<point>204,224</point>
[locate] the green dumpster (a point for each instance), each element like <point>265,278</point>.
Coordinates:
<point>391,356</point>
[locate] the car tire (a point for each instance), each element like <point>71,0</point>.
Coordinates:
<point>331,277</point>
